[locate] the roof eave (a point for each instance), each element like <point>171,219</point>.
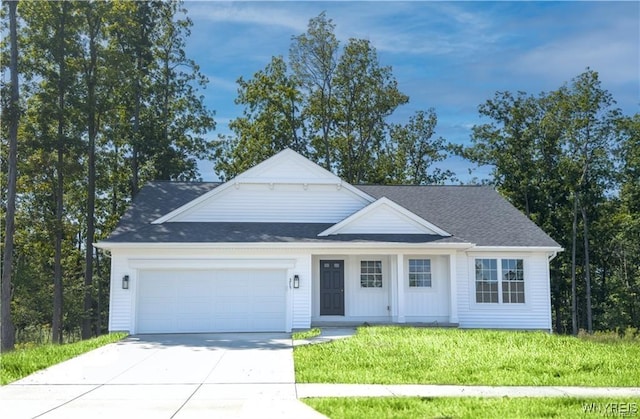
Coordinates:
<point>280,245</point>
<point>516,249</point>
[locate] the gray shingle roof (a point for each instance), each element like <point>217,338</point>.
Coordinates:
<point>470,213</point>
<point>477,214</point>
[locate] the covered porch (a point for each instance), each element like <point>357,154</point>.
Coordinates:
<point>416,287</point>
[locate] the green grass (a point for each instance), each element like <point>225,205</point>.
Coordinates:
<point>405,355</point>
<point>306,334</point>
<point>22,362</point>
<point>472,407</point>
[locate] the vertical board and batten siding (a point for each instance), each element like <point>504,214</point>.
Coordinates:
<point>293,203</point>
<point>384,220</point>
<point>428,304</point>
<point>534,314</point>
<point>360,304</point>
<point>377,304</point>
<point>122,308</point>
<point>366,302</point>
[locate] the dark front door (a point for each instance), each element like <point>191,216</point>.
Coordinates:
<point>332,288</point>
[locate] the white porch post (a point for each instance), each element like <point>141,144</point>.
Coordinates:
<point>400,287</point>
<point>453,290</point>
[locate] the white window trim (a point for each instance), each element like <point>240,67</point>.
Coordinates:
<point>384,278</point>
<point>408,273</point>
<point>499,305</point>
<point>436,281</point>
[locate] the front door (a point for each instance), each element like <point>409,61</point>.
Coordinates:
<point>332,288</point>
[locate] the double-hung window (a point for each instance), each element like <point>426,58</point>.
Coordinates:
<point>486,281</point>
<point>499,281</point>
<point>512,281</point>
<point>420,273</point>
<point>371,274</point>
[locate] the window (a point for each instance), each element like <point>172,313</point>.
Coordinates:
<point>512,281</point>
<point>486,281</point>
<point>371,274</point>
<point>511,272</point>
<point>419,272</point>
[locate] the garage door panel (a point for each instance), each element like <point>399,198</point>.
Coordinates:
<point>211,301</point>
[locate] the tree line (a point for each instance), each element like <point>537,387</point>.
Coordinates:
<point>570,160</point>
<point>108,100</point>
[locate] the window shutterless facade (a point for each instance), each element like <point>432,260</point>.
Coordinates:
<point>499,281</point>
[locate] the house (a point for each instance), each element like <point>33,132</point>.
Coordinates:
<point>287,245</point>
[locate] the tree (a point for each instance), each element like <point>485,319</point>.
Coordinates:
<point>552,158</point>
<point>508,143</point>
<point>270,121</point>
<point>331,105</point>
<point>178,120</point>
<point>314,58</point>
<point>417,151</point>
<point>589,134</point>
<point>366,94</point>
<point>132,33</point>
<point>51,45</point>
<point>91,73</point>
<point>93,29</point>
<point>13,114</point>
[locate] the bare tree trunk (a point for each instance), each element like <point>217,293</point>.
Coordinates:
<point>56,324</point>
<point>7,336</point>
<point>587,270</point>
<point>90,75</point>
<point>574,314</point>
<point>135,164</point>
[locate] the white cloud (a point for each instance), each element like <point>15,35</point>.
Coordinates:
<point>611,50</point>
<point>222,83</point>
<point>260,13</point>
<point>420,28</point>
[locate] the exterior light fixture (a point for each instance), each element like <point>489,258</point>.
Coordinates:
<point>296,281</point>
<point>125,282</point>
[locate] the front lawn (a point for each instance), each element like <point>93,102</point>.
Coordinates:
<point>473,407</point>
<point>22,362</point>
<point>406,355</point>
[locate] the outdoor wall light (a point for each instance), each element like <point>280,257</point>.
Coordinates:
<point>125,282</point>
<point>296,281</point>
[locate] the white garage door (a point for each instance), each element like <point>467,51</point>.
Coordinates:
<point>184,301</point>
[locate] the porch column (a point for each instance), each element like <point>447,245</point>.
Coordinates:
<point>453,290</point>
<point>400,287</point>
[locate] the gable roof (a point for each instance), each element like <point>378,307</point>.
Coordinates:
<point>385,211</point>
<point>270,172</point>
<point>471,214</point>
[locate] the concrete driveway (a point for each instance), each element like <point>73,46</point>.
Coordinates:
<point>166,376</point>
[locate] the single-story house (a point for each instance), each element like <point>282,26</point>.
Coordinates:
<point>288,245</point>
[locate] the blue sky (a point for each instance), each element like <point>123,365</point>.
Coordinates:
<point>451,56</point>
